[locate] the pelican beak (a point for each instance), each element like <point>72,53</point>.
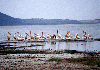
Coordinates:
<point>42,33</point>
<point>30,32</point>
<point>9,33</point>
<point>57,31</point>
<point>27,34</point>
<point>18,32</point>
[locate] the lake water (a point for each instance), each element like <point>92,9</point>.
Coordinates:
<point>92,29</point>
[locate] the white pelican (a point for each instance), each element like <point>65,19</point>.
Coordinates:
<point>60,37</point>
<point>51,37</point>
<point>18,34</point>
<point>37,36</point>
<point>77,37</point>
<point>31,36</point>
<point>20,37</point>
<point>26,35</point>
<point>14,36</point>
<point>84,35</point>
<point>67,35</point>
<point>8,37</point>
<point>89,37</point>
<point>48,36</point>
<point>42,36</point>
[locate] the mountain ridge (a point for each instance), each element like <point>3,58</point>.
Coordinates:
<point>6,20</point>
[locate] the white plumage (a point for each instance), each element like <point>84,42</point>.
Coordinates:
<point>48,36</point>
<point>14,37</point>
<point>8,37</point>
<point>31,36</point>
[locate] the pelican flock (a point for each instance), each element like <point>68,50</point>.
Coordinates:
<point>57,36</point>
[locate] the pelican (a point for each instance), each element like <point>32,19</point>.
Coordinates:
<point>20,37</point>
<point>67,35</point>
<point>32,37</point>
<point>8,37</point>
<point>60,37</point>
<point>51,36</point>
<point>48,36</point>
<point>42,36</point>
<point>77,37</point>
<point>26,35</point>
<point>18,34</point>
<point>89,37</point>
<point>14,36</point>
<point>84,35</point>
<point>37,36</point>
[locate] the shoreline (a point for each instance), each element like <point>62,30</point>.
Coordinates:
<point>45,61</point>
<point>42,51</point>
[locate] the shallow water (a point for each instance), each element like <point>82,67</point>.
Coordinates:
<point>92,29</point>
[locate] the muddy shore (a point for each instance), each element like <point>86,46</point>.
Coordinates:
<point>39,60</point>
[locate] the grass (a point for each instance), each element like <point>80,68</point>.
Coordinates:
<point>85,60</point>
<point>56,59</point>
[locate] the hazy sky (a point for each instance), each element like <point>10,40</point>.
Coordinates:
<point>52,9</point>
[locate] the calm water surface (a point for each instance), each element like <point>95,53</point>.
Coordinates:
<point>92,29</point>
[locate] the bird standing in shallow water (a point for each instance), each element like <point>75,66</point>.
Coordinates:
<point>20,37</point>
<point>77,36</point>
<point>84,36</point>
<point>37,36</point>
<point>26,35</point>
<point>67,34</point>
<point>14,36</point>
<point>31,36</point>
<point>60,37</point>
<point>89,37</point>
<point>48,36</point>
<point>8,37</point>
<point>42,36</point>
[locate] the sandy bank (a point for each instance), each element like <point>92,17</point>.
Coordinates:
<point>40,61</point>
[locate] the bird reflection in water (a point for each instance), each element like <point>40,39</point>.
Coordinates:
<point>53,43</point>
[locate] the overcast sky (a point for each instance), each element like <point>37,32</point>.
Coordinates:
<point>52,9</point>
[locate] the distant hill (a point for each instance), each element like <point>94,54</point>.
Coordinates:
<point>91,21</point>
<point>6,20</point>
<point>49,21</point>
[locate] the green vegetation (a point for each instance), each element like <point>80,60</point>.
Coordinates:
<point>56,59</point>
<point>85,60</point>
